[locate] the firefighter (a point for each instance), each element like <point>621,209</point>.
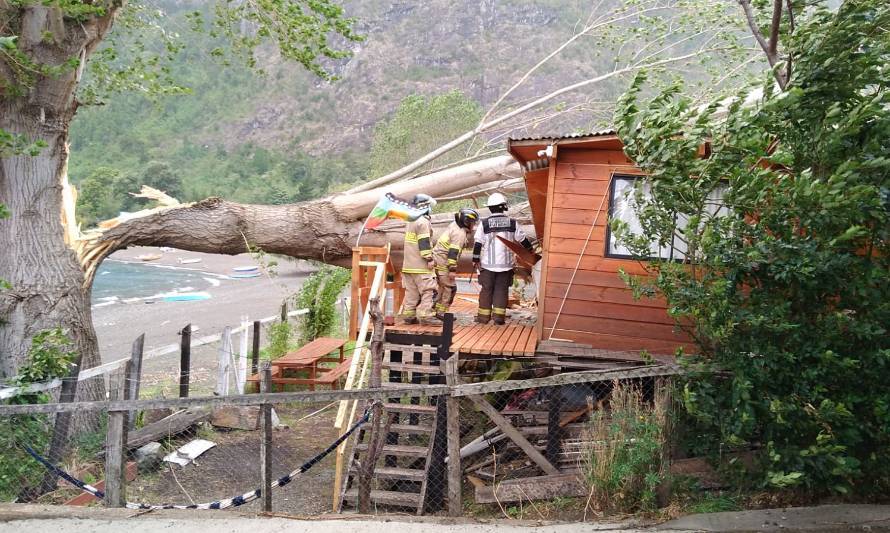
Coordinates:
<point>417,267</point>
<point>446,254</point>
<point>494,261</point>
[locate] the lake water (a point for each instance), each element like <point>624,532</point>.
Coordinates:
<point>134,280</point>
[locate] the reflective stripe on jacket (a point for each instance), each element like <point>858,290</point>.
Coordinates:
<point>449,247</point>
<point>418,236</point>
<point>495,256</point>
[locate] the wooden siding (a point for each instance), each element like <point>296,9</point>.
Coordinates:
<point>599,309</point>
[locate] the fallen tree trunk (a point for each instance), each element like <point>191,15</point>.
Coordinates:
<point>324,230</point>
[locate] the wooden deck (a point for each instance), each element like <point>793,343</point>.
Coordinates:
<point>511,340</point>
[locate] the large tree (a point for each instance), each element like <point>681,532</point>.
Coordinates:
<point>45,47</point>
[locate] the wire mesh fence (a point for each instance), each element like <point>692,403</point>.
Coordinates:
<point>447,433</point>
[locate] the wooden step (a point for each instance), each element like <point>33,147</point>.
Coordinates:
<point>409,348</point>
<point>410,428</point>
<point>406,474</point>
<point>409,408</point>
<point>386,497</point>
<point>397,449</point>
<point>416,369</point>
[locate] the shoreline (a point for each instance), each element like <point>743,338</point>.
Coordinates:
<point>119,322</point>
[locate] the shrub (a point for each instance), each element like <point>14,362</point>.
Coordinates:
<point>319,294</point>
<point>624,464</point>
<point>279,339</point>
<point>785,289</point>
<point>49,357</point>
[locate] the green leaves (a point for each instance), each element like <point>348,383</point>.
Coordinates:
<point>319,294</point>
<point>420,125</point>
<point>12,144</point>
<point>790,292</point>
<point>51,355</point>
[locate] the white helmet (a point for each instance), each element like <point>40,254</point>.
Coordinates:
<point>495,199</point>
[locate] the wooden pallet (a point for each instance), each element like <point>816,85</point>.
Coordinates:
<point>401,475</point>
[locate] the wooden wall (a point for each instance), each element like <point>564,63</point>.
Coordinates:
<point>599,309</point>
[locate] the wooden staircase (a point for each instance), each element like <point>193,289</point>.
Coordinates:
<point>401,476</point>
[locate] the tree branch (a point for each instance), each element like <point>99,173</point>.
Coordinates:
<point>770,48</point>
<point>774,27</point>
<point>755,29</point>
<point>324,229</point>
<point>393,176</point>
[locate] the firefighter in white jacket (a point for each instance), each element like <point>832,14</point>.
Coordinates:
<point>495,261</point>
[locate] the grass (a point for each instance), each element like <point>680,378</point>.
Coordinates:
<point>713,503</point>
<point>624,464</point>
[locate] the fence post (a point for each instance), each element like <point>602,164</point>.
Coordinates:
<point>255,356</point>
<point>135,375</point>
<point>224,362</point>
<point>452,405</point>
<point>376,438</point>
<point>185,356</point>
<point>115,441</point>
<point>241,374</point>
<point>266,440</point>
<point>284,311</point>
<point>554,430</point>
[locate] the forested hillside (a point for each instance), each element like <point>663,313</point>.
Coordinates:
<point>285,135</point>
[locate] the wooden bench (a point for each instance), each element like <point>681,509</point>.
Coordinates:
<point>306,358</point>
<point>255,378</point>
<point>332,377</point>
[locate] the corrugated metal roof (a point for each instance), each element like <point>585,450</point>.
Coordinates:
<point>558,136</point>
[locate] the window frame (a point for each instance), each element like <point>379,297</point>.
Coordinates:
<point>607,253</point>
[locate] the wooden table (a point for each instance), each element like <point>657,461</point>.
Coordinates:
<point>307,358</point>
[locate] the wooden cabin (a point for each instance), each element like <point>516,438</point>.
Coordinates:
<point>574,186</point>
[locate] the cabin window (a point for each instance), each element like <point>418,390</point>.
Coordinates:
<point>625,194</point>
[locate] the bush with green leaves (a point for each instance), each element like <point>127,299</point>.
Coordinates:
<point>319,295</point>
<point>786,291</point>
<point>50,357</point>
<point>280,334</point>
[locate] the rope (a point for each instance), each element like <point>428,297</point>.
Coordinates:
<point>219,504</point>
<point>581,255</point>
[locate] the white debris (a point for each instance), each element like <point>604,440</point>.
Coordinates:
<point>188,453</point>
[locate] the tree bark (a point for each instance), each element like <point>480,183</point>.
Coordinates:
<point>44,273</point>
<point>324,230</point>
<point>48,288</point>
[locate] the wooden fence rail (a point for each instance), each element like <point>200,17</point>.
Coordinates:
<point>587,376</point>
<point>118,409</point>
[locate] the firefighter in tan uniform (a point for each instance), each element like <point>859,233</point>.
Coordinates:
<point>446,254</point>
<point>417,268</point>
